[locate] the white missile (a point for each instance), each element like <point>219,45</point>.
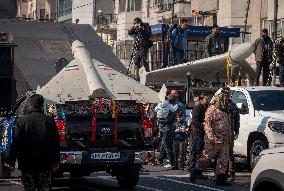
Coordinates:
<point>211,69</point>
<point>85,78</point>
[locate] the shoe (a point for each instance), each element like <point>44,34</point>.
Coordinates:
<point>168,166</point>
<point>200,175</point>
<point>193,175</point>
<point>221,180</point>
<point>175,168</point>
<point>233,176</point>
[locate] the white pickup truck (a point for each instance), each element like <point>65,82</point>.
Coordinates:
<point>261,121</point>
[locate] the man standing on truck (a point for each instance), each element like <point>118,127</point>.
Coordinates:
<point>36,146</point>
<point>217,139</point>
<point>179,38</point>
<point>213,43</point>
<point>263,56</point>
<point>141,32</point>
<point>280,58</point>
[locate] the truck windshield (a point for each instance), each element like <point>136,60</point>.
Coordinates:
<point>268,100</point>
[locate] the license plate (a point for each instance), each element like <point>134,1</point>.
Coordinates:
<point>106,155</point>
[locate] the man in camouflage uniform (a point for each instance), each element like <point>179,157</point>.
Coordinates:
<point>217,139</point>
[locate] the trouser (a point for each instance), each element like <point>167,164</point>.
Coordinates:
<point>167,145</point>
<point>231,154</point>
<point>140,59</point>
<point>197,146</point>
<point>263,65</point>
<point>166,57</point>
<point>179,152</point>
<point>220,151</point>
<point>179,56</point>
<point>40,181</point>
<point>281,73</point>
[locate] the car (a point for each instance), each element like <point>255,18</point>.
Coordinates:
<point>261,121</point>
<point>268,173</point>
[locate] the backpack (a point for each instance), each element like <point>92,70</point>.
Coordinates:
<point>148,35</point>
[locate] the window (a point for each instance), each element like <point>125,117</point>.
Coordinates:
<point>24,0</point>
<point>122,5</point>
<point>42,14</point>
<point>239,97</point>
<point>134,5</point>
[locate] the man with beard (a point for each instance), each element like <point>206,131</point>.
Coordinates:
<point>263,56</point>
<point>217,139</point>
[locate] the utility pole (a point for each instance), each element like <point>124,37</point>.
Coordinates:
<point>173,13</point>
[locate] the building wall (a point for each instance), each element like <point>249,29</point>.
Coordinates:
<point>83,11</point>
<point>8,9</point>
<point>35,9</point>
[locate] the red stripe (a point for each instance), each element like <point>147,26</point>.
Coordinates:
<point>94,123</point>
<point>104,68</point>
<point>72,69</point>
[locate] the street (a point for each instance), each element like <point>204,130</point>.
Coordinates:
<point>152,178</point>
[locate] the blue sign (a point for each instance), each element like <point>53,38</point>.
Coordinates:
<point>7,134</point>
<point>199,30</point>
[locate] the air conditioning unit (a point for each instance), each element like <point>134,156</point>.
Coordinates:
<point>6,38</point>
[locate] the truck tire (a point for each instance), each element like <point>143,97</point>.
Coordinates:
<point>4,171</point>
<point>128,178</point>
<point>255,150</point>
<point>79,173</point>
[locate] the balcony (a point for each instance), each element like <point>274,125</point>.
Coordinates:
<point>107,20</point>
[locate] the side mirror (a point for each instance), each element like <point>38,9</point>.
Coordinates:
<point>242,108</point>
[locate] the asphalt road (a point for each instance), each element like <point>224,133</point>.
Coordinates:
<point>152,178</point>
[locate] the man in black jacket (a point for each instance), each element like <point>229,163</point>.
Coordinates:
<point>197,131</point>
<point>36,145</point>
<point>235,126</point>
<point>141,34</point>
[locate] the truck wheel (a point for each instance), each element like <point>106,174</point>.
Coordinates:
<point>4,171</point>
<point>128,178</point>
<point>79,173</point>
<point>255,150</point>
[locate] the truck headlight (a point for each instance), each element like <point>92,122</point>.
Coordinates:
<point>276,126</point>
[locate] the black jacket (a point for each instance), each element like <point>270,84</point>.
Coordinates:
<point>141,37</point>
<point>35,143</point>
<point>198,115</point>
<point>234,117</point>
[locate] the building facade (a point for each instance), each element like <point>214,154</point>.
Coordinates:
<point>34,9</point>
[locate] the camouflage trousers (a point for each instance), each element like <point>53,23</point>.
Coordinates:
<point>36,181</point>
<point>211,151</point>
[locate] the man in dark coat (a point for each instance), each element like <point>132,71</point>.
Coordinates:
<point>141,34</point>
<point>263,56</point>
<point>197,131</point>
<point>36,146</point>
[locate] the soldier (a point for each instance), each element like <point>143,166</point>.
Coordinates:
<point>213,43</point>
<point>217,139</point>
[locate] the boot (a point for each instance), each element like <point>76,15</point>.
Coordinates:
<point>200,175</point>
<point>193,173</point>
<point>232,176</point>
<point>221,180</point>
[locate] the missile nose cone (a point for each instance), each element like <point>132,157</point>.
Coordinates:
<point>77,44</point>
<point>242,51</point>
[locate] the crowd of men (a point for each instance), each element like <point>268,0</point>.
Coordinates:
<point>176,47</point>
<point>209,135</point>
